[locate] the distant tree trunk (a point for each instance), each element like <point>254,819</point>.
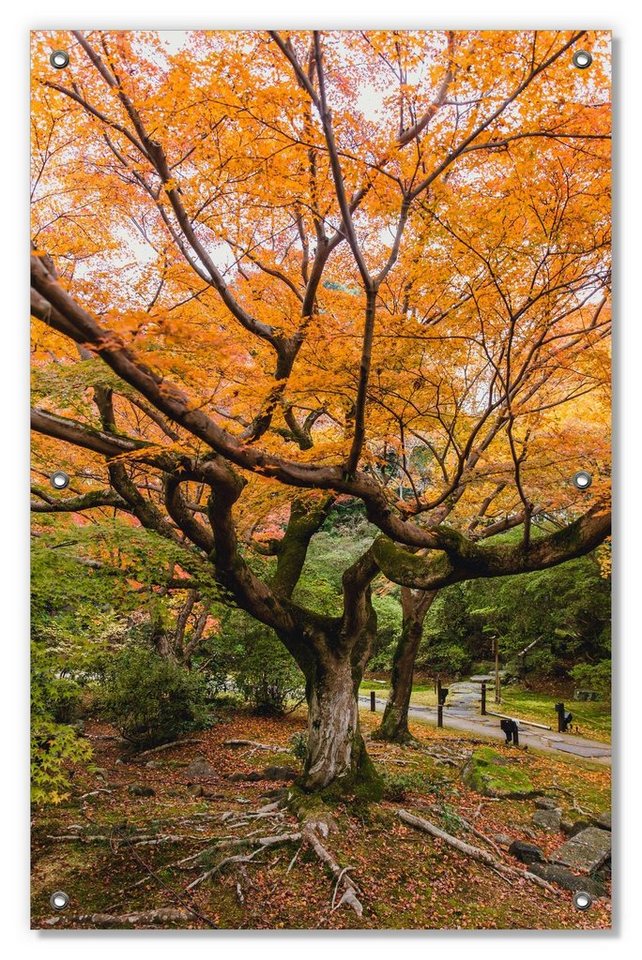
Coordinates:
<point>415,605</point>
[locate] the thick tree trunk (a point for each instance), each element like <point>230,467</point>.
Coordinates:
<point>337,755</point>
<point>415,606</point>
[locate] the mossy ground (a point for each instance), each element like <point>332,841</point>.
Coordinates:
<point>407,879</point>
<point>493,774</point>
<point>591,719</point>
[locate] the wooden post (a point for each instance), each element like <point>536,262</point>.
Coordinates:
<point>373,701</point>
<point>498,688</point>
<point>516,735</point>
<point>560,717</point>
<point>438,689</point>
<point>483,698</point>
<point>440,714</point>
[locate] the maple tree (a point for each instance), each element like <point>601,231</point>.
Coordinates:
<point>271,270</point>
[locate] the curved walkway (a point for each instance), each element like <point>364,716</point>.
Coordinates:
<point>463,714</point>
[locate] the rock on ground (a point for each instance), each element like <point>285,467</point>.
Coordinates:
<point>586,851</point>
<point>526,852</point>
<point>280,773</point>
<point>563,877</point>
<point>493,775</point>
<point>140,790</point>
<point>574,827</point>
<point>502,840</point>
<point>547,819</point>
<point>201,768</point>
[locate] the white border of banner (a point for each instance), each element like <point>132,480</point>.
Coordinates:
<point>624,19</point>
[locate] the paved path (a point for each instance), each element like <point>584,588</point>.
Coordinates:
<point>462,713</point>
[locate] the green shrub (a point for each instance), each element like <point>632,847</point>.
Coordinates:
<point>388,610</point>
<point>397,786</point>
<point>299,743</point>
<point>55,746</point>
<point>152,699</point>
<point>449,658</point>
<point>65,700</point>
<point>269,680</point>
<point>450,818</point>
<point>594,676</point>
<point>261,669</point>
<point>565,609</point>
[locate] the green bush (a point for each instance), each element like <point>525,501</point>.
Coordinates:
<point>65,700</point>
<point>261,670</point>
<point>594,676</point>
<point>267,677</point>
<point>388,610</point>
<point>152,699</point>
<point>299,743</point>
<point>397,786</point>
<point>55,746</point>
<point>566,609</point>
<point>449,658</point>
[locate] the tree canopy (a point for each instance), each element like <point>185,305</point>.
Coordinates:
<point>273,272</point>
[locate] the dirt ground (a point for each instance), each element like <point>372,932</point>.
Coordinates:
<point>126,859</point>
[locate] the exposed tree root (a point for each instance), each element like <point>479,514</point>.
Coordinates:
<point>274,748</point>
<point>142,918</point>
<point>294,859</point>
<point>236,858</point>
<point>480,836</point>
<point>475,853</point>
<point>269,841</point>
<point>165,746</point>
<point>471,829</point>
<point>574,804</point>
<point>343,881</point>
<point>133,841</point>
<point>261,843</point>
<point>270,811</point>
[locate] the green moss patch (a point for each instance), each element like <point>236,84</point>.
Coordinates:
<point>494,775</point>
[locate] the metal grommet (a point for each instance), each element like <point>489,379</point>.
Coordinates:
<point>59,480</point>
<point>582,59</point>
<point>59,900</point>
<point>582,900</point>
<point>582,479</point>
<point>59,59</point>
